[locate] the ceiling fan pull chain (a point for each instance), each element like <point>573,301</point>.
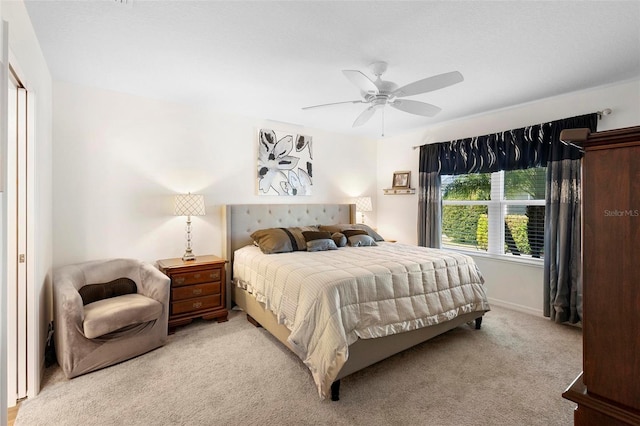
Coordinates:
<point>383,122</point>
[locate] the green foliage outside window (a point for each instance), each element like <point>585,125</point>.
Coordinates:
<point>516,234</point>
<point>469,225</point>
<point>460,223</point>
<point>482,233</point>
<point>469,187</point>
<point>529,182</point>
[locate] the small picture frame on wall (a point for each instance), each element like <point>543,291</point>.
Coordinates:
<point>402,179</point>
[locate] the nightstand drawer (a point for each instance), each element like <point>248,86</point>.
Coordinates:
<point>181,293</point>
<point>196,277</point>
<point>198,304</point>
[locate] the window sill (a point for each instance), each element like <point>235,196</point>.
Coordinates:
<point>501,257</point>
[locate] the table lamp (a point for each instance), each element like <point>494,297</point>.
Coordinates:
<point>363,204</point>
<point>189,205</point>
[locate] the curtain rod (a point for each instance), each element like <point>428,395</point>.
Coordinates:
<point>606,111</point>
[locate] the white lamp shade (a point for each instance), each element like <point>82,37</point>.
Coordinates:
<point>363,204</point>
<point>189,205</point>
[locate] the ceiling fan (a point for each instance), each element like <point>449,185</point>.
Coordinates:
<point>379,93</point>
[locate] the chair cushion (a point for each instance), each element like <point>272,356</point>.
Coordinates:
<point>108,315</point>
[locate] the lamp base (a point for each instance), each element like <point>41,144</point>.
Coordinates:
<point>188,256</point>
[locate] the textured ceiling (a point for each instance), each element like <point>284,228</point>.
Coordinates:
<point>269,59</point>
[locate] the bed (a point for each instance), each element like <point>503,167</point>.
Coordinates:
<point>343,310</point>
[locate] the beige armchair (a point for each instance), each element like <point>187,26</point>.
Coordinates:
<point>108,311</point>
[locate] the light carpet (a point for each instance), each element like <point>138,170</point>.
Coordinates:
<point>511,372</point>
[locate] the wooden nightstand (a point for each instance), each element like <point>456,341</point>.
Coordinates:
<point>197,289</point>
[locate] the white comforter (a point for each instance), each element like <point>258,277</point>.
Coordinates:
<point>329,299</point>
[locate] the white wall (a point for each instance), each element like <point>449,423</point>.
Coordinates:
<point>516,285</point>
<point>118,160</point>
<point>29,62</point>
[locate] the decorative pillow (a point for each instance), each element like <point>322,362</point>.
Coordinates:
<point>321,245</point>
<point>339,238</point>
<point>351,232</point>
<point>342,226</point>
<point>316,235</point>
<point>319,241</point>
<point>282,240</point>
<point>361,241</point>
<point>120,286</point>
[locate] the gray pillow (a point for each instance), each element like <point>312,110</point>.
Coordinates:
<point>361,241</point>
<point>321,245</point>
<point>339,238</point>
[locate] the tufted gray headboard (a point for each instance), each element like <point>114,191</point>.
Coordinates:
<point>241,220</point>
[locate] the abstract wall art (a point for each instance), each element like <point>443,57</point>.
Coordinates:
<point>284,163</point>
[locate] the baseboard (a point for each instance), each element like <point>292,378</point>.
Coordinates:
<point>515,307</point>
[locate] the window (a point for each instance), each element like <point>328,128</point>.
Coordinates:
<point>498,213</point>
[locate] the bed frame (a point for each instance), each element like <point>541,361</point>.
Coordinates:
<point>243,219</point>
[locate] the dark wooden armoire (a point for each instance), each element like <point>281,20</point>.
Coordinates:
<point>607,392</point>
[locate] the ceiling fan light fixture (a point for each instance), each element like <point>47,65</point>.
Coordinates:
<point>386,86</point>
<point>378,68</point>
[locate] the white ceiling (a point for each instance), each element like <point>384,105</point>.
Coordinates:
<point>269,59</point>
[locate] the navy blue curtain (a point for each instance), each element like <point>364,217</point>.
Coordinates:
<point>532,146</point>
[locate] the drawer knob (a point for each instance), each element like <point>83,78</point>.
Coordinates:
<point>197,291</point>
<point>197,305</point>
<point>179,280</point>
<point>196,275</point>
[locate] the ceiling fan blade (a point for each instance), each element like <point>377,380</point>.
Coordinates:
<point>415,107</point>
<point>363,82</point>
<point>429,84</point>
<point>334,103</point>
<point>364,116</point>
